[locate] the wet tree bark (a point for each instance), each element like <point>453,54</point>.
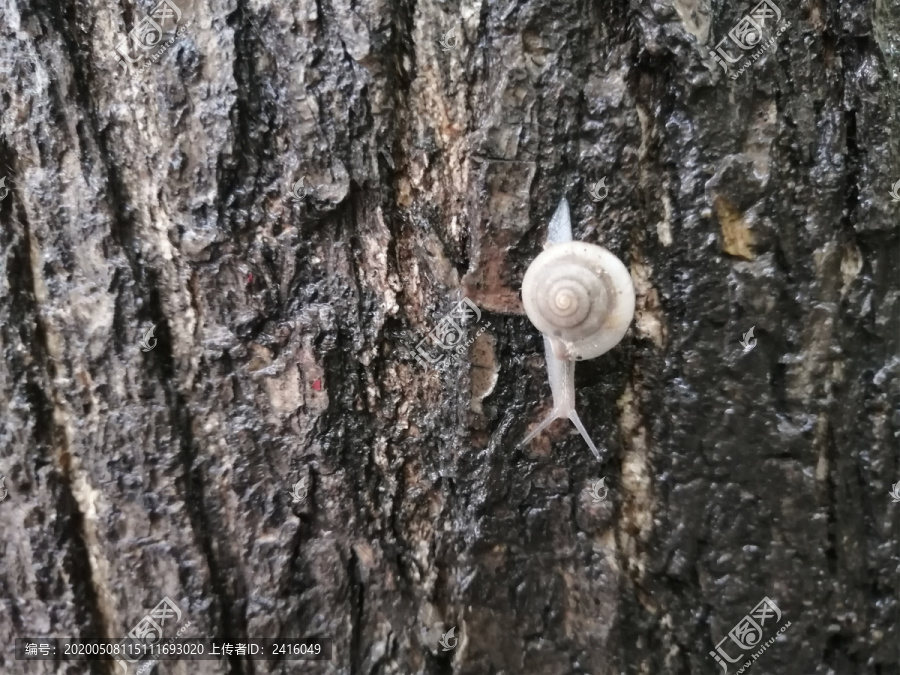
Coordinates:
<point>434,140</point>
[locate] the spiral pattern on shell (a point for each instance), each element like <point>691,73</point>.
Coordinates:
<point>580,296</point>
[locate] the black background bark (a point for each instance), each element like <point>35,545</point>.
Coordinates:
<point>287,329</point>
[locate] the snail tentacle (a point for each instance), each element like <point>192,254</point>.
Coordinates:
<point>584,434</point>
<point>546,422</point>
<point>560,229</point>
<point>561,374</point>
<point>562,385</point>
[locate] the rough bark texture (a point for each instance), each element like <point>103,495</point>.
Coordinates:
<point>287,329</point>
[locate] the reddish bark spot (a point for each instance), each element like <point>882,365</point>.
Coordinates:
<point>317,385</point>
<point>249,277</point>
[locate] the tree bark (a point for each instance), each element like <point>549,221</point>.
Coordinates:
<point>434,141</point>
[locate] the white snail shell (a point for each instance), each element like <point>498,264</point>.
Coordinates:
<point>581,297</point>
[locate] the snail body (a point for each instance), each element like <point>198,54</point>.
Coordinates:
<point>581,298</point>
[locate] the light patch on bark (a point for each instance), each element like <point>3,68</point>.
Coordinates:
<point>664,226</point>
<point>851,265</point>
<point>815,18</point>
<point>260,358</point>
<point>90,306</point>
<point>590,606</point>
<point>821,445</point>
<point>289,381</point>
<point>649,317</point>
<point>498,226</point>
<point>737,237</point>
<point>609,88</point>
<point>439,103</point>
<point>394,375</point>
<point>365,557</point>
<point>826,259</point>
<point>637,503</point>
<point>69,464</point>
<point>761,133</point>
<point>389,481</point>
<point>470,11</point>
<point>380,648</point>
<point>284,391</point>
<point>354,33</point>
<point>605,543</point>
<point>674,653</point>
<point>694,14</point>
<point>837,371</point>
<point>423,529</point>
<point>433,626</point>
<point>333,184</point>
<point>485,370</point>
<point>809,377</point>
<point>442,269</point>
<point>87,499</point>
<point>374,271</point>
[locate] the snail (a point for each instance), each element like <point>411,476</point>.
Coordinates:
<point>581,298</point>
